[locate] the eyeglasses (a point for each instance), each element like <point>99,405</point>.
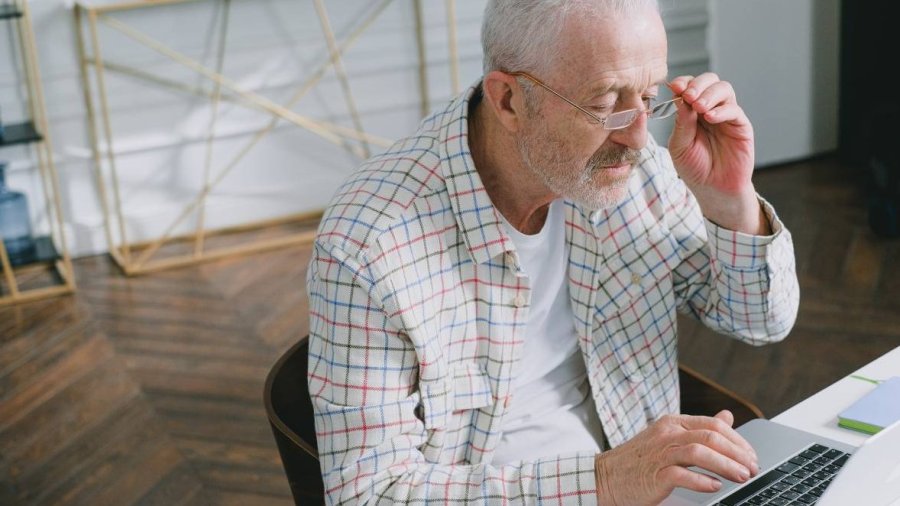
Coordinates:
<point>617,120</point>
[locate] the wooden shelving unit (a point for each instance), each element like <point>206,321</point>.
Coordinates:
<point>169,249</point>
<point>47,271</point>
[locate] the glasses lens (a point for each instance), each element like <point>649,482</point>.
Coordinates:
<point>663,110</point>
<point>622,119</point>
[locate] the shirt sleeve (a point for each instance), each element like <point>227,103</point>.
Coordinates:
<point>739,284</point>
<point>379,434</point>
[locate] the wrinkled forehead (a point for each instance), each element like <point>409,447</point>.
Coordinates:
<point>609,48</point>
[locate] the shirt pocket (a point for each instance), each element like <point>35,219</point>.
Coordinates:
<point>635,306</point>
<point>434,404</point>
<point>471,387</point>
<point>466,416</point>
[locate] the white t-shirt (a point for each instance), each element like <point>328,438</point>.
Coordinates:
<point>552,410</point>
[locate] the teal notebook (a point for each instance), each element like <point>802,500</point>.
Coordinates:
<point>875,410</point>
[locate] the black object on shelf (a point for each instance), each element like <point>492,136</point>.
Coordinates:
<point>8,11</point>
<point>44,252</point>
<point>19,133</point>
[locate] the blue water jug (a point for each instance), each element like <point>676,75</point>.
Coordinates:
<point>15,225</point>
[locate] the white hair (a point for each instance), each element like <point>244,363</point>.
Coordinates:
<point>523,35</point>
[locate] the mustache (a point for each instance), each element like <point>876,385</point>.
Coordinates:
<point>616,155</point>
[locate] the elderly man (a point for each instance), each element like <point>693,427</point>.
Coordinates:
<point>493,300</point>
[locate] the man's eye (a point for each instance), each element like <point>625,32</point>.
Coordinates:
<point>649,102</point>
<point>600,108</point>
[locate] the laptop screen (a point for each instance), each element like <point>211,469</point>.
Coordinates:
<point>872,474</point>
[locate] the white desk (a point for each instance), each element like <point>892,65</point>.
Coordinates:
<point>818,414</point>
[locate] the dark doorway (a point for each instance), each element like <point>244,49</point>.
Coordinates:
<point>870,43</point>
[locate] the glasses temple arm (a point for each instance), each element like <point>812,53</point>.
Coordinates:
<point>551,90</point>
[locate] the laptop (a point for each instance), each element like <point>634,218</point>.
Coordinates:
<point>801,468</point>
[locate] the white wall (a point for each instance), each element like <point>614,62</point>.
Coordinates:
<point>686,24</point>
<point>782,58</point>
<point>272,45</point>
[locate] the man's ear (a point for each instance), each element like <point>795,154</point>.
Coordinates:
<point>505,98</point>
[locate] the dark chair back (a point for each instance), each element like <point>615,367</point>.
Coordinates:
<point>703,396</point>
<point>290,414</point>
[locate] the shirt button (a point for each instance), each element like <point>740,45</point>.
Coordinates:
<point>635,278</point>
<point>519,301</point>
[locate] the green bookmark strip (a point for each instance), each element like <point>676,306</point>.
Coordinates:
<point>863,378</point>
<point>859,426</point>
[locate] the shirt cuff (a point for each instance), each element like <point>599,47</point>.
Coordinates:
<point>746,251</point>
<point>567,480</point>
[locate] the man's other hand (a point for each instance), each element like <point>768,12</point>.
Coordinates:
<point>647,468</point>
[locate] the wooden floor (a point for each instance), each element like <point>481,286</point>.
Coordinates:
<point>148,390</point>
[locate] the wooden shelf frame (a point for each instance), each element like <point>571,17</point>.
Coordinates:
<point>35,132</point>
<point>134,258</point>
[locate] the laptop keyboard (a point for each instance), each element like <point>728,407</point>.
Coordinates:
<point>799,481</point>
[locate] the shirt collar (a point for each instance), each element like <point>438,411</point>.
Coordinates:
<point>477,218</point>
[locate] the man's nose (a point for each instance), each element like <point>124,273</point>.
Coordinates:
<point>634,135</point>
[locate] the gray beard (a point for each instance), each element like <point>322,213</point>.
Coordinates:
<point>577,185</point>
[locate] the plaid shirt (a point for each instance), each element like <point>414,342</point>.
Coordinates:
<point>418,306</point>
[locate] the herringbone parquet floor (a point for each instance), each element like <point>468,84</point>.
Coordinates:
<point>148,390</point>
